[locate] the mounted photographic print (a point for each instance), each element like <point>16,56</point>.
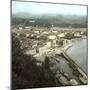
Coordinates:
<point>49,44</point>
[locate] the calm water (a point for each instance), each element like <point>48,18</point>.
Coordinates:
<point>78,52</point>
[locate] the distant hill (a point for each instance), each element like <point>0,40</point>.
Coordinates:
<point>57,20</point>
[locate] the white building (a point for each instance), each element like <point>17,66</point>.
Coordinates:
<point>44,49</point>
<point>61,35</point>
<point>52,38</point>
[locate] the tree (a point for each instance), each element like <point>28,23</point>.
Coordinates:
<point>47,62</point>
<point>25,72</point>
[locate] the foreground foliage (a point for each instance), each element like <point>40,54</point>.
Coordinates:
<point>25,72</point>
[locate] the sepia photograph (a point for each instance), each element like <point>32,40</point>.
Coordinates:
<point>49,44</point>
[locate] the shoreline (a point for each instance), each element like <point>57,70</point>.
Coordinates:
<point>73,40</point>
<point>65,51</point>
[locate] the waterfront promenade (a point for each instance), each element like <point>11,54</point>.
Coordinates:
<point>81,74</point>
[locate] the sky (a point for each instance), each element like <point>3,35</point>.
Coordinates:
<point>47,8</point>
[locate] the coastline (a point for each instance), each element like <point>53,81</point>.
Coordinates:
<point>73,40</point>
<point>69,47</point>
